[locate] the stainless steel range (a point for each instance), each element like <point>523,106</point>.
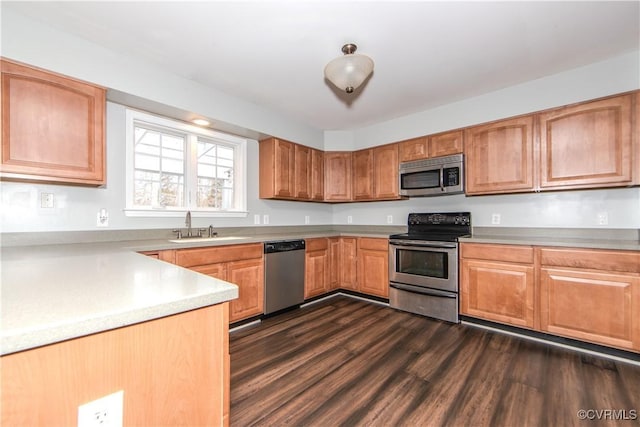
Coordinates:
<point>423,264</point>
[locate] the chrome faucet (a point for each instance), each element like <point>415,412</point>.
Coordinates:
<point>187,222</point>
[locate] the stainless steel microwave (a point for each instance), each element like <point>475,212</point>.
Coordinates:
<point>432,177</point>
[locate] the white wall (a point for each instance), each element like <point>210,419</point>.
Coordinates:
<point>76,207</point>
<point>570,209</point>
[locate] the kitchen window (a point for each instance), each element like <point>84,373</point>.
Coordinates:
<point>174,167</point>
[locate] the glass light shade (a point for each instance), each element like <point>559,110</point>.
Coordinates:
<point>349,71</point>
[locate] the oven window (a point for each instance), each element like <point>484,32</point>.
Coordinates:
<point>418,180</point>
<point>422,263</point>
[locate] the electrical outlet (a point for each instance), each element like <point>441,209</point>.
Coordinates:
<point>349,219</point>
<point>495,218</point>
<point>265,219</point>
<point>47,200</point>
<point>603,218</point>
<point>389,219</point>
<point>103,412</point>
<point>102,219</point>
<point>307,219</point>
<point>256,219</point>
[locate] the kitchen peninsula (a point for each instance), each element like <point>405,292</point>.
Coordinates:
<point>83,321</point>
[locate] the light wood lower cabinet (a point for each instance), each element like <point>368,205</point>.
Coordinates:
<point>591,295</point>
<point>373,266</point>
<point>173,371</point>
<point>497,283</point>
<point>316,271</point>
<point>586,294</point>
<point>349,263</point>
<point>334,263</point>
<point>241,265</point>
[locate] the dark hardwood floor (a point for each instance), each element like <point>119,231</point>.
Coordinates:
<point>347,362</point>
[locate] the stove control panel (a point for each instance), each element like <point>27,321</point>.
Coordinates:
<point>447,218</point>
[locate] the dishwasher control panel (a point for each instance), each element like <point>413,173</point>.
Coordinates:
<point>283,246</point>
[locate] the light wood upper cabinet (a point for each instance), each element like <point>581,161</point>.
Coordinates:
<point>302,171</point>
<point>591,295</point>
<point>363,174</point>
<point>375,173</point>
<point>373,266</point>
<point>499,157</point>
<point>414,149</point>
<point>587,145</point>
<point>277,169</point>
<point>385,172</point>
<point>52,127</point>
<point>337,169</point>
<point>497,283</point>
<point>425,147</point>
<point>446,143</point>
<point>317,175</point>
<point>317,266</point>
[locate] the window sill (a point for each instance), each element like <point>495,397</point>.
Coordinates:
<point>179,213</point>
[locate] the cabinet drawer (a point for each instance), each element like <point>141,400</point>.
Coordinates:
<point>317,244</point>
<point>203,256</point>
<point>508,253</point>
<point>594,259</point>
<point>373,244</point>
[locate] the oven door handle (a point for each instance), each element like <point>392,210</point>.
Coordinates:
<point>423,291</point>
<point>419,244</point>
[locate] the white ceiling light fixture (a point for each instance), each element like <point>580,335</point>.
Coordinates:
<point>348,72</point>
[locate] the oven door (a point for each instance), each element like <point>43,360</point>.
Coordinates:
<point>428,264</point>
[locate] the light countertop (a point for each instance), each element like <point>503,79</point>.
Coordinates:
<point>62,290</point>
<point>50,294</point>
<point>614,239</point>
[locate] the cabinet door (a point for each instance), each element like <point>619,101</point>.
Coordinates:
<point>592,306</point>
<point>348,263</point>
<point>363,174</point>
<point>587,145</point>
<point>414,149</point>
<point>248,275</point>
<point>302,171</point>
<point>499,157</point>
<point>498,291</point>
<point>373,266</point>
<point>334,263</point>
<point>316,267</point>
<point>219,271</point>
<point>445,144</point>
<point>385,172</point>
<point>337,184</point>
<point>317,175</point>
<point>277,169</point>
<point>52,127</point>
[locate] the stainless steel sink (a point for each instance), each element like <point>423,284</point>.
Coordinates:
<point>206,239</point>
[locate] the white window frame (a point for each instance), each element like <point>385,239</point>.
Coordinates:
<point>192,133</point>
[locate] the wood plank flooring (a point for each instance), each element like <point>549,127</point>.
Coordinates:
<point>347,362</point>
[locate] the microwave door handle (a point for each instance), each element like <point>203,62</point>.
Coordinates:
<point>442,178</point>
<point>422,291</point>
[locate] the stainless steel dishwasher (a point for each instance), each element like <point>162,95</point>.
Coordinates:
<point>283,274</point>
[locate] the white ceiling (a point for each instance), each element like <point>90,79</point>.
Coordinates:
<point>426,53</point>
